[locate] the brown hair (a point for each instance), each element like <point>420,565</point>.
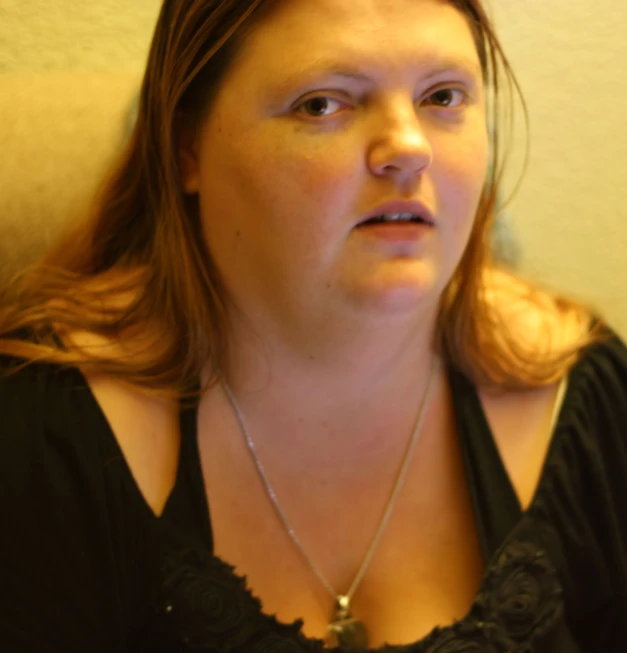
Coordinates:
<point>136,268</point>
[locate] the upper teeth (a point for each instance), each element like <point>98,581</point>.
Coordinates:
<point>397,216</point>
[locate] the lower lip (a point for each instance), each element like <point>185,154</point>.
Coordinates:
<point>397,231</point>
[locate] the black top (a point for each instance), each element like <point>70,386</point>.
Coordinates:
<point>85,566</point>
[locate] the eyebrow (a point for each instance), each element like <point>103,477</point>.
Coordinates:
<point>435,66</point>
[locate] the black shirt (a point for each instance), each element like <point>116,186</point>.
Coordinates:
<point>85,566</point>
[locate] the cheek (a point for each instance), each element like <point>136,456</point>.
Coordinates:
<point>306,193</point>
<point>287,200</point>
<point>462,176</point>
<point>313,172</point>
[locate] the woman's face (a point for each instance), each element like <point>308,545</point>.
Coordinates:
<point>295,154</point>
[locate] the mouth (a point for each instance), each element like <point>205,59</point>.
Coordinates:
<point>407,230</point>
<point>390,220</point>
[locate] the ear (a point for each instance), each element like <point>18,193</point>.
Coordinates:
<point>188,160</point>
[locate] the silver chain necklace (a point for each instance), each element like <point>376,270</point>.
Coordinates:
<point>344,629</point>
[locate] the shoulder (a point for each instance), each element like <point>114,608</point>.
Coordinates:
<point>544,322</point>
<point>50,445</point>
<point>535,317</point>
<point>547,326</point>
<point>523,422</point>
<point>58,455</point>
<point>49,421</point>
<point>98,416</point>
<point>64,500</point>
<point>56,443</point>
<point>29,390</point>
<point>145,426</point>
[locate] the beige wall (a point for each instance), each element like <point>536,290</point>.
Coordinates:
<point>570,55</point>
<point>83,35</point>
<point>571,211</point>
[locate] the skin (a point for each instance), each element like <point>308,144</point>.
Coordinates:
<point>282,184</point>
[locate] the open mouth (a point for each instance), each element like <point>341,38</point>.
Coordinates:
<point>381,219</point>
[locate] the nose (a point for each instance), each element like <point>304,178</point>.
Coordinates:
<point>401,148</point>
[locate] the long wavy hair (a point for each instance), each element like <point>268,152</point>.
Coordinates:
<point>136,269</point>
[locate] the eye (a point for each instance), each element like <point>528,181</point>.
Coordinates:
<point>318,106</point>
<point>448,98</point>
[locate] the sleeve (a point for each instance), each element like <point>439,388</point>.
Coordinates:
<point>60,570</point>
<point>607,410</point>
<point>587,499</point>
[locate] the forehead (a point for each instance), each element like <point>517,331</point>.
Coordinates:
<point>297,33</point>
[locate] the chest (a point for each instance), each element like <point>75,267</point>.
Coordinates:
<point>427,567</point>
<point>425,570</point>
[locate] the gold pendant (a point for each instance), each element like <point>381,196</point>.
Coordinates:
<point>345,630</point>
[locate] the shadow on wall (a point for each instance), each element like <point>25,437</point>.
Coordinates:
<point>505,245</point>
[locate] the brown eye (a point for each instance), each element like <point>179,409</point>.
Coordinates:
<point>448,98</point>
<point>316,106</point>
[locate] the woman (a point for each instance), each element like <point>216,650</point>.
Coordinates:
<point>274,395</point>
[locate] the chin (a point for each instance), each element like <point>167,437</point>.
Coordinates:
<point>401,303</point>
<point>395,288</point>
<point>399,298</point>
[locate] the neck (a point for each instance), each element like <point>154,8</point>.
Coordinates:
<point>332,379</point>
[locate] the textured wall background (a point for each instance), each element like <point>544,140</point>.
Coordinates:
<point>571,212</point>
<point>61,35</point>
<point>570,55</point>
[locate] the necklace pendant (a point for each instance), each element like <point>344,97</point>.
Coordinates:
<point>345,630</point>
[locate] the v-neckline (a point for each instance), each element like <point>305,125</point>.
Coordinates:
<point>502,526</point>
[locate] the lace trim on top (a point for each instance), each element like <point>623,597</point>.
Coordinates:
<point>210,607</point>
